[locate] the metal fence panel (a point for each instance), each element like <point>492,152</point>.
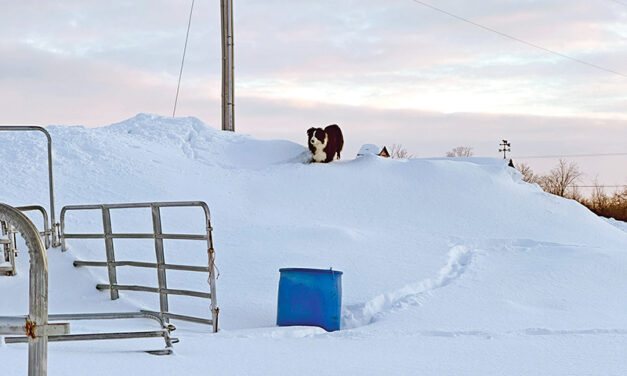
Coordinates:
<point>160,265</point>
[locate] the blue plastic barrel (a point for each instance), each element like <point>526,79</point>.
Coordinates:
<point>311,297</point>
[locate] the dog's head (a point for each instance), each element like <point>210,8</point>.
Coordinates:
<point>317,137</point>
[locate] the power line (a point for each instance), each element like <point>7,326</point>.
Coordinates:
<point>599,186</point>
<point>189,24</point>
<point>619,2</point>
<point>571,155</point>
<point>520,40</point>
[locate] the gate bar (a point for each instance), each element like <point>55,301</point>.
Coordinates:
<point>46,233</point>
<point>141,264</point>
<point>65,336</point>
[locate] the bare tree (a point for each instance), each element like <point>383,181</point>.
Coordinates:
<point>527,173</point>
<point>598,198</point>
<point>460,151</point>
<point>602,204</point>
<point>399,152</point>
<point>560,178</point>
<point>574,193</point>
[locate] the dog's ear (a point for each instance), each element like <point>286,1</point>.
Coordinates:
<point>310,131</point>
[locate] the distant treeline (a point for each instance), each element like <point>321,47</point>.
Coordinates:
<point>614,206</point>
<point>561,181</point>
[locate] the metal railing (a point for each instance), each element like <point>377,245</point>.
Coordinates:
<point>164,332</point>
<point>35,326</point>
<point>13,128</point>
<point>111,264</point>
<point>46,234</point>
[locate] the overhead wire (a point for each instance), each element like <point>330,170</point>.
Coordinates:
<point>619,2</point>
<point>600,186</point>
<point>520,40</point>
<point>571,155</point>
<point>178,86</point>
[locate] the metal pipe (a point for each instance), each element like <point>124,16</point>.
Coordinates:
<point>46,233</point>
<point>93,336</point>
<point>38,291</point>
<point>21,325</point>
<point>161,272</point>
<point>12,325</point>
<point>133,205</point>
<point>113,279</point>
<point>197,320</point>
<point>157,290</point>
<point>140,264</point>
<point>137,236</point>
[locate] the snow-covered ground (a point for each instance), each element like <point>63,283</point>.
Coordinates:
<point>451,266</point>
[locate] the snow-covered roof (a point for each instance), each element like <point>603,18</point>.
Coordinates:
<point>368,149</point>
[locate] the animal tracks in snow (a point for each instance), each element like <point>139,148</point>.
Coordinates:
<point>459,258</point>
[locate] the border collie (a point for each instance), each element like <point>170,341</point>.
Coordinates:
<point>326,143</point>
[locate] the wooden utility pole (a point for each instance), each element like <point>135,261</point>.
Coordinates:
<point>228,122</point>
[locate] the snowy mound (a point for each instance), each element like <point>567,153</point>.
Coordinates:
<point>189,138</point>
<point>444,260</point>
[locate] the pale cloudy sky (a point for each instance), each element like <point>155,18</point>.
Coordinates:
<point>387,71</point>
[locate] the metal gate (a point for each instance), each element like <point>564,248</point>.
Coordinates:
<point>35,326</point>
<point>160,265</point>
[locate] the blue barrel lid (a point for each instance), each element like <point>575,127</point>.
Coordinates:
<point>313,271</point>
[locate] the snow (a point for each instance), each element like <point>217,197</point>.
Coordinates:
<point>451,265</point>
<point>619,224</point>
<point>367,149</point>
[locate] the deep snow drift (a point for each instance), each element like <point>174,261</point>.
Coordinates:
<point>451,266</point>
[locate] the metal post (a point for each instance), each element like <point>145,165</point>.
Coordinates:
<point>113,280</point>
<point>38,301</point>
<point>212,277</point>
<point>161,271</point>
<point>228,121</point>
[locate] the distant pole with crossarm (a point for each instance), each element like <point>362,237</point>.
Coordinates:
<point>506,147</point>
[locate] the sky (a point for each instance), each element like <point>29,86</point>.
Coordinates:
<point>387,71</point>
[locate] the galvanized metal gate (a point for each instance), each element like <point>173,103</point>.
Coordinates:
<point>160,265</point>
<point>35,326</point>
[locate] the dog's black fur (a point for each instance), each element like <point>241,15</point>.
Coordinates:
<point>325,144</point>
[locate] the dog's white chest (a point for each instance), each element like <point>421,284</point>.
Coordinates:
<point>319,155</point>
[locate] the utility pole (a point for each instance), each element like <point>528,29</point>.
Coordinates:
<point>506,147</point>
<point>228,122</point>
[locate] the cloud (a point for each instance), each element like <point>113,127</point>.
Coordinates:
<point>393,71</point>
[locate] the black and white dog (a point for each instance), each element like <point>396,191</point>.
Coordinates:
<point>326,143</point>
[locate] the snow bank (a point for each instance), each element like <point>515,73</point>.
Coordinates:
<point>439,255</point>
